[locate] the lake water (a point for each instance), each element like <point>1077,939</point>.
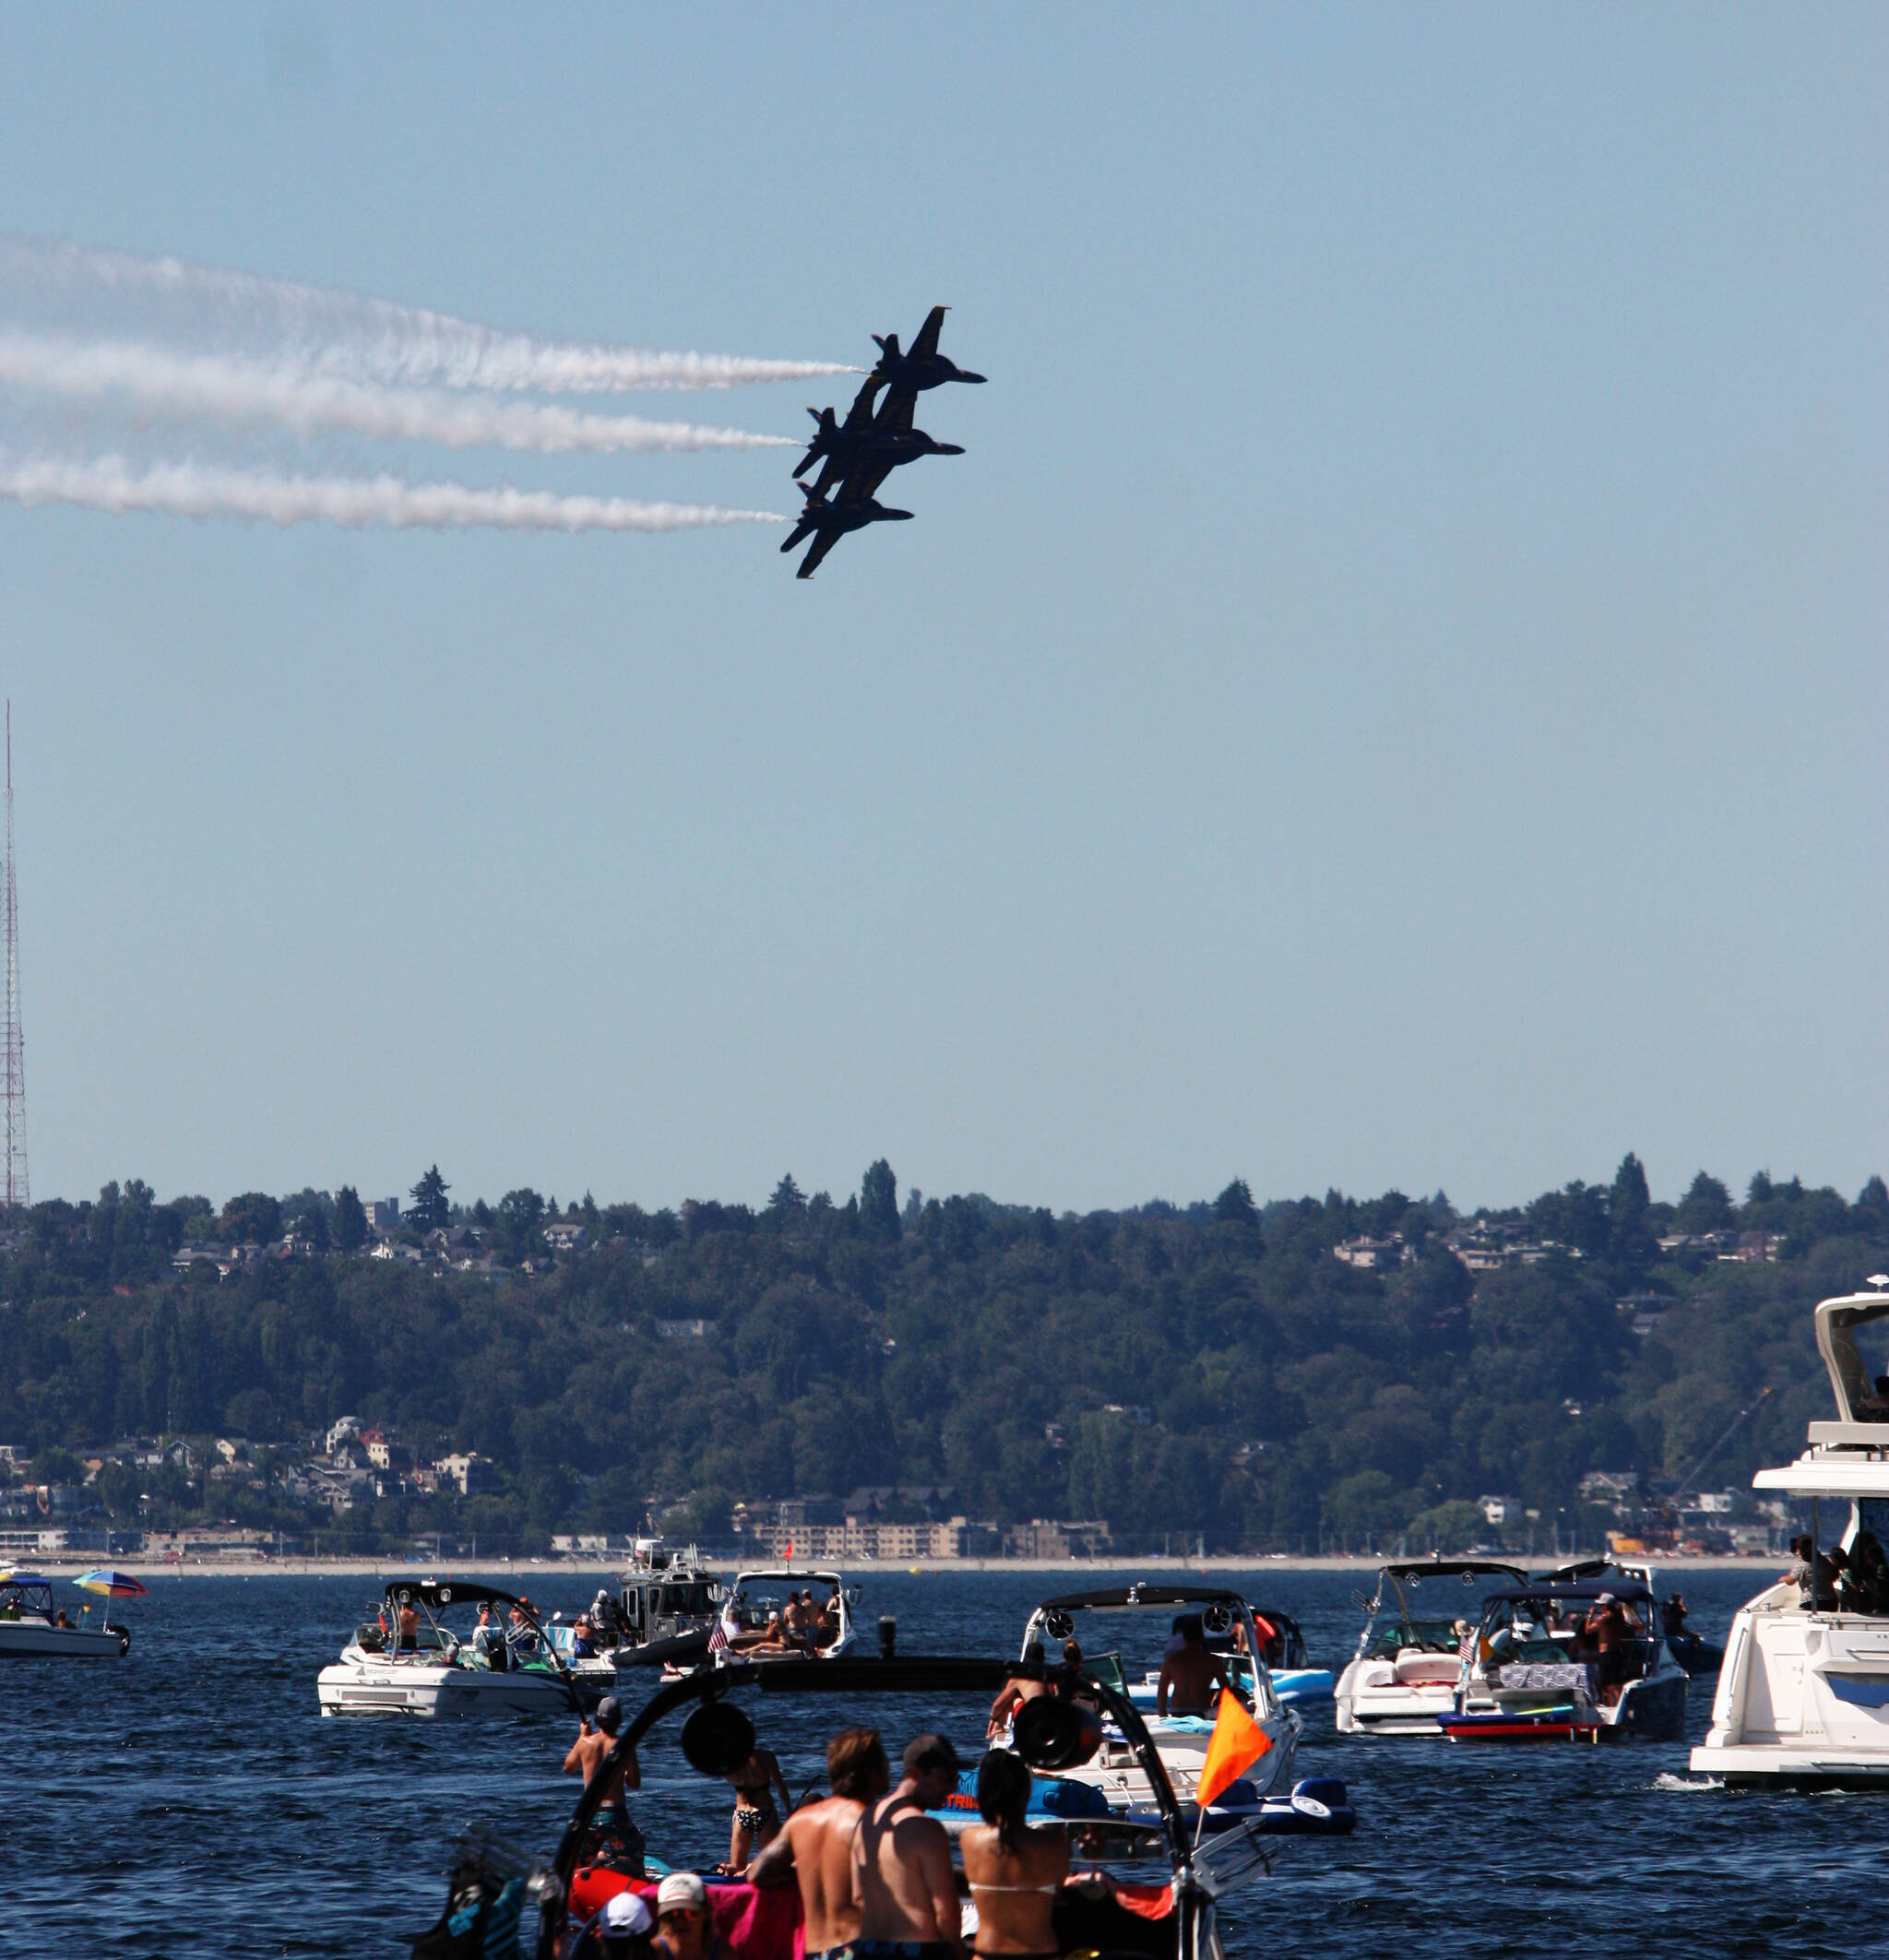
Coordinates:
<point>190,1799</point>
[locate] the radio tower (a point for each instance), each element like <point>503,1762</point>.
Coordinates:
<point>13,1062</point>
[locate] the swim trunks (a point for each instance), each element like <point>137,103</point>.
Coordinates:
<point>900,1950</point>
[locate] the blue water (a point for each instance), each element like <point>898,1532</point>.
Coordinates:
<point>190,1799</point>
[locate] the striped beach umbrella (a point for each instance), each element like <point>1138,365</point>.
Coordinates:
<point>113,1584</point>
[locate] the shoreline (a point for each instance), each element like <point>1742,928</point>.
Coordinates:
<point>590,1569</point>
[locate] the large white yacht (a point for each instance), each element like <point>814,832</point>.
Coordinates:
<point>1803,1694</point>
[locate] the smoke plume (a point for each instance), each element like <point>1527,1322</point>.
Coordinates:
<point>158,384</point>
<point>194,489</point>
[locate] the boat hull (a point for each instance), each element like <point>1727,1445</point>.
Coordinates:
<point>393,1689</point>
<point>33,1640</point>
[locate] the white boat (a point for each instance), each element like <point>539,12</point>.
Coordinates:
<point>752,1621</point>
<point>1181,1741</point>
<point>1532,1672</point>
<point>1409,1655</point>
<point>1803,1692</point>
<point>32,1627</point>
<point>507,1667</point>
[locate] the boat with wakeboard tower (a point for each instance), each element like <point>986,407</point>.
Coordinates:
<point>1409,1655</point>
<point>1282,1646</point>
<point>1225,1626</point>
<point>759,1621</point>
<point>1559,1659</point>
<point>410,1659</point>
<point>1803,1693</point>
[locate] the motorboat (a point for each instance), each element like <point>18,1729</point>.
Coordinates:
<point>1532,1669</point>
<point>411,1660</point>
<point>757,1616</point>
<point>1282,1644</point>
<point>664,1611</point>
<point>1227,1626</point>
<point>1687,1646</point>
<point>1803,1694</point>
<point>32,1627</point>
<point>1152,1884</point>
<point>1409,1655</point>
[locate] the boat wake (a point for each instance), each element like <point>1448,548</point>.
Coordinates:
<point>1667,1781</point>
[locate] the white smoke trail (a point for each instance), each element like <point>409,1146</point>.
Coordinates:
<point>194,490</point>
<point>216,386</point>
<point>372,340</point>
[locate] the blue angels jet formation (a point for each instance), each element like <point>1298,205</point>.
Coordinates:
<point>856,456</point>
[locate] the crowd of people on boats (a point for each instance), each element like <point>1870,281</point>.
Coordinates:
<point>871,1861</point>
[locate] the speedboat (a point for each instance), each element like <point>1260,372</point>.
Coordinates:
<point>1409,1655</point>
<point>1531,1673</point>
<point>1803,1694</point>
<point>31,1626</point>
<point>1153,1884</point>
<point>753,1625</point>
<point>505,1666</point>
<point>1181,1740</point>
<point>1294,1678</point>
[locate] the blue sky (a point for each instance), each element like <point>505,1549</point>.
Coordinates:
<point>1392,695</point>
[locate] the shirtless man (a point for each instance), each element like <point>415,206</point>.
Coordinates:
<point>902,1880</point>
<point>1188,1674</point>
<point>1018,1689</point>
<point>816,1845</point>
<point>588,1757</point>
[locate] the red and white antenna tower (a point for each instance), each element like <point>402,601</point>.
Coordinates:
<point>13,1062</point>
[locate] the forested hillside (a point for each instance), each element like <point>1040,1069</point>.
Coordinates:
<point>1212,1368</point>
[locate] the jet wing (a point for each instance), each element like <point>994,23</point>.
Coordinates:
<point>860,413</point>
<point>864,479</point>
<point>927,342</point>
<point>897,411</point>
<point>821,546</point>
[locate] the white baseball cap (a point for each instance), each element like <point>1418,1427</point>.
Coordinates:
<point>627,1913</point>
<point>682,1888</point>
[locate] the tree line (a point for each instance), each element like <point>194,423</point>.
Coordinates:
<point>1208,1367</point>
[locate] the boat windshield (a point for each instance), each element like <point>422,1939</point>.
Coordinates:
<point>1396,1636</point>
<point>693,1598</point>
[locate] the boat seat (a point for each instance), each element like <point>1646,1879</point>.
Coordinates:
<point>1415,1667</point>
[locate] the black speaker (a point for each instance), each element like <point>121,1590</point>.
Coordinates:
<point>718,1738</point>
<point>1051,1733</point>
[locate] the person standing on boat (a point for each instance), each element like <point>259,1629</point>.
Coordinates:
<point>1188,1674</point>
<point>1016,1872</point>
<point>902,1879</point>
<point>816,1845</point>
<point>756,1821</point>
<point>590,1758</point>
<point>489,1641</point>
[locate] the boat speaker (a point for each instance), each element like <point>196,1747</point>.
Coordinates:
<point>1053,1734</point>
<point>1058,1624</point>
<point>718,1738</point>
<point>1218,1618</point>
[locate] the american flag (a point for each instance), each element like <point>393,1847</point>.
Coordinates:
<point>722,1638</point>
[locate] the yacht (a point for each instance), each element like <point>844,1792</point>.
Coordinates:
<point>1409,1655</point>
<point>1181,1741</point>
<point>504,1666</point>
<point>1803,1693</point>
<point>752,1615</point>
<point>31,1625</point>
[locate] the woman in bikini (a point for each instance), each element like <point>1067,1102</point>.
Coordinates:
<point>756,1820</point>
<point>1016,1872</point>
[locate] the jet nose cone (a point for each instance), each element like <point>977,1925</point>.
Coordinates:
<point>963,376</point>
<point>950,449</point>
<point>898,514</point>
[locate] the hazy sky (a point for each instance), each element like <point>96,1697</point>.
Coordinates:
<point>1394,693</point>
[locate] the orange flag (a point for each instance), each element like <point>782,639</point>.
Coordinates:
<point>1238,1743</point>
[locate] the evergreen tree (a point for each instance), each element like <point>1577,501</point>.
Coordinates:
<point>879,1203</point>
<point>429,1210</point>
<point>350,1220</point>
<point>1234,1205</point>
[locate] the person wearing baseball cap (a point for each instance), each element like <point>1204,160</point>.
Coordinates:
<point>684,1929</point>
<point>591,1757</point>
<point>901,1863</point>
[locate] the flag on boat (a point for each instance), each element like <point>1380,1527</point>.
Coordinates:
<point>722,1637</point>
<point>1237,1742</point>
<point>113,1584</point>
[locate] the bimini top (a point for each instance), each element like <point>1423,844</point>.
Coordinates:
<point>1629,1592</point>
<point>13,1577</point>
<point>1130,1595</point>
<point>1450,1569</point>
<point>451,1592</point>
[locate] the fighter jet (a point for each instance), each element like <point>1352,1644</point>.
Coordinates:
<point>867,446</point>
<point>826,523</point>
<point>924,367</point>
